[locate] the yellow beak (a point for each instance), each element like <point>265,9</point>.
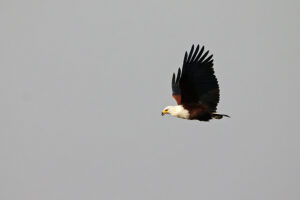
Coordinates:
<point>164,112</point>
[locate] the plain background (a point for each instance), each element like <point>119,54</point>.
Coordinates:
<point>83,83</point>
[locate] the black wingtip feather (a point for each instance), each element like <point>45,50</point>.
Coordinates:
<point>191,53</point>
<point>195,54</point>
<point>199,55</point>
<point>203,57</point>
<point>185,57</point>
<point>173,79</point>
<point>178,75</point>
<point>208,59</point>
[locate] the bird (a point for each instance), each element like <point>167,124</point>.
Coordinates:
<point>195,88</point>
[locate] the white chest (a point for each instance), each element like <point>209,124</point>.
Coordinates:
<point>181,112</point>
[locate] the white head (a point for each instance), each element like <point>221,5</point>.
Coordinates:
<point>176,111</point>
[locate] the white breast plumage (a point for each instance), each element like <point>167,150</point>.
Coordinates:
<point>180,112</point>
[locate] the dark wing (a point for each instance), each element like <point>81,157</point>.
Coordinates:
<point>198,84</point>
<point>175,87</point>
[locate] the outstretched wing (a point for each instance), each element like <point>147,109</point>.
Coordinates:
<point>198,84</point>
<point>175,87</point>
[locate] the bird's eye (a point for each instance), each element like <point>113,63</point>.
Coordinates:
<point>166,110</point>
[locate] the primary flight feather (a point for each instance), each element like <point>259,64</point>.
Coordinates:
<point>195,88</point>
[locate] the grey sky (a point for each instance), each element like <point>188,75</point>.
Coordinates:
<point>82,85</point>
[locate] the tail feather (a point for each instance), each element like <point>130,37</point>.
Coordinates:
<point>219,116</point>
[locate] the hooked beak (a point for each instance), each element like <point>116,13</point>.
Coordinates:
<point>164,112</point>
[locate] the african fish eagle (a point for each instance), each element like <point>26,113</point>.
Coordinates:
<point>195,89</point>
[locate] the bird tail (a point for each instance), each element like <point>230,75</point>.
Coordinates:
<point>219,116</point>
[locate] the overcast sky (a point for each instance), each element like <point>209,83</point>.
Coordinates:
<point>83,83</point>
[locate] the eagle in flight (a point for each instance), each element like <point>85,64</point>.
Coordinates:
<point>195,88</point>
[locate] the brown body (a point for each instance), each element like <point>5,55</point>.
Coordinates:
<point>198,112</point>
